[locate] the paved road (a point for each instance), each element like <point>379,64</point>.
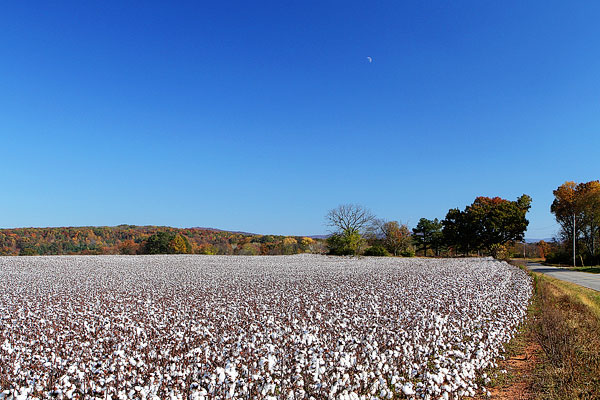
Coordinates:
<point>584,279</point>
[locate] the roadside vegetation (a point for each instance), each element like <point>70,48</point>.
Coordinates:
<point>568,330</point>
<point>557,353</point>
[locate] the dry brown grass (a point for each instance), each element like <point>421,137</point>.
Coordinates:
<point>567,327</point>
<point>556,355</point>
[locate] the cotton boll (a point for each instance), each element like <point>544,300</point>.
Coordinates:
<point>352,323</point>
<point>408,390</point>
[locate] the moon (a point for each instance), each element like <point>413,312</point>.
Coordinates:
<point>370,59</point>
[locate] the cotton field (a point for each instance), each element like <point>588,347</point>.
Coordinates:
<point>223,327</point>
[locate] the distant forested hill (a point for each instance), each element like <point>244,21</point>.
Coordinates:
<point>131,239</point>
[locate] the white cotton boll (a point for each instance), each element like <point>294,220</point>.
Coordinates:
<point>220,375</point>
<point>271,361</point>
<point>408,390</point>
<point>349,322</point>
<point>438,378</point>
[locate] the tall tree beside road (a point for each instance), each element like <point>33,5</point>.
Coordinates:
<point>566,210</point>
<point>589,204</point>
<point>576,207</point>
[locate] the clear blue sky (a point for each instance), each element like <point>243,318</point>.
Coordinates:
<point>262,116</point>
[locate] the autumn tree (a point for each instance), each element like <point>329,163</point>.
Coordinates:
<point>576,207</point>
<point>207,249</point>
<point>180,245</point>
<point>167,243</point>
<point>306,243</point>
<point>249,249</point>
<point>289,245</point>
<point>395,237</point>
<point>589,199</point>
<point>487,224</point>
<point>129,247</point>
<point>566,209</point>
<point>543,249</point>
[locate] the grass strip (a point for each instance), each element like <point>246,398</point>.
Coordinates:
<point>567,328</point>
<point>556,354</point>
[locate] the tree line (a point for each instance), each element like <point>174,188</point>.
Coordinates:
<point>489,226</point>
<point>131,239</point>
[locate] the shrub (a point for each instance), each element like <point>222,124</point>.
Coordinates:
<point>500,252</point>
<point>347,244</point>
<point>376,251</point>
<point>28,251</point>
<point>410,252</point>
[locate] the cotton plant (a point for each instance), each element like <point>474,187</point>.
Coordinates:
<point>289,327</point>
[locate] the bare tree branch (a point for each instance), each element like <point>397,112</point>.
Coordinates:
<point>350,218</point>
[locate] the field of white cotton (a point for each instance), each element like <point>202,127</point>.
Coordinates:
<point>234,327</point>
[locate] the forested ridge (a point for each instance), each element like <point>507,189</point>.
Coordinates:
<point>131,239</point>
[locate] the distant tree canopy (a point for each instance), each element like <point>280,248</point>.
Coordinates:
<point>167,243</point>
<point>130,239</point>
<point>486,224</point>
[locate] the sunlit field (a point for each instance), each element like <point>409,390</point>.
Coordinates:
<point>233,327</point>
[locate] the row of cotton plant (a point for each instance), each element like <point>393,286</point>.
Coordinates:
<point>218,327</point>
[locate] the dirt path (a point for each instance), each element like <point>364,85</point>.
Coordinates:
<point>520,369</point>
